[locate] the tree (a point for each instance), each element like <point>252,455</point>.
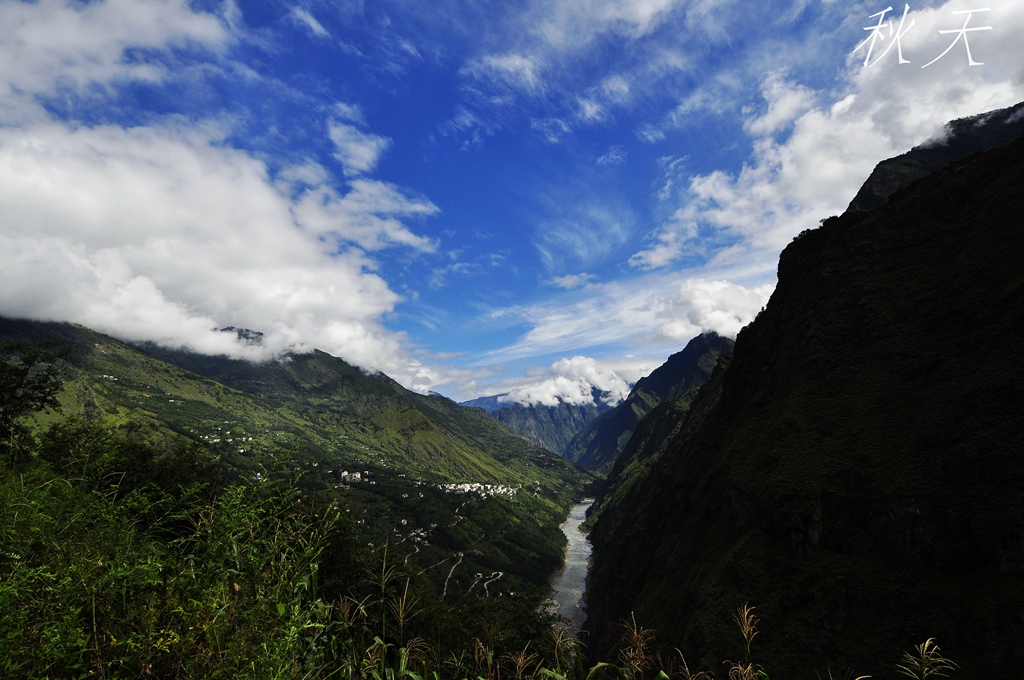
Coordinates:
<point>31,377</point>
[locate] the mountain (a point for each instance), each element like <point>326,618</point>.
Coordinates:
<point>489,404</point>
<point>598,444</point>
<point>552,427</point>
<point>855,470</point>
<point>962,138</point>
<point>315,416</point>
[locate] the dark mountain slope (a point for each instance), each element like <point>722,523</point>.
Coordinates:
<point>652,440</point>
<point>598,444</point>
<point>861,477</point>
<point>963,137</point>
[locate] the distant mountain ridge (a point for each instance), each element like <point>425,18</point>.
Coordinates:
<point>489,404</point>
<point>551,427</point>
<point>599,443</point>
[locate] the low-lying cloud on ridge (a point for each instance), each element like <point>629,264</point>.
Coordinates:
<point>574,380</point>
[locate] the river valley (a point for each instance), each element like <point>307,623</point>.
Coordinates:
<point>570,583</point>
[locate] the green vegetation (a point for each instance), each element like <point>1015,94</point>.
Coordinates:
<point>116,563</point>
<point>316,417</point>
<point>856,466</point>
<point>118,560</point>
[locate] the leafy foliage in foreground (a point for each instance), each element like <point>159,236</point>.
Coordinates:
<point>117,563</point>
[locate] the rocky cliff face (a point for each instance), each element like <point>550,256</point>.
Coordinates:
<point>552,427</point>
<point>856,471</point>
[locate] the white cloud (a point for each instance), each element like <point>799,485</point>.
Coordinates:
<point>571,281</point>
<point>370,214</point>
<point>59,43</point>
<point>700,305</point>
<point>653,310</point>
<point>536,63</point>
<point>615,156</point>
<point>570,24</point>
<point>358,151</point>
<point>349,112</point>
<point>792,182</point>
<point>616,89</point>
<point>163,232</point>
<point>513,70</point>
<point>785,101</point>
<point>572,381</point>
<point>307,20</point>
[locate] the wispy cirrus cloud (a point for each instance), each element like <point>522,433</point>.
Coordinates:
<point>309,22</point>
<point>615,156</point>
<point>515,71</point>
<point>572,281</point>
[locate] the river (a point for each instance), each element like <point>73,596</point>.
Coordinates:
<point>570,583</point>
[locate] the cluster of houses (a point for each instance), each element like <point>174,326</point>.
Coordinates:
<point>349,477</point>
<point>484,490</point>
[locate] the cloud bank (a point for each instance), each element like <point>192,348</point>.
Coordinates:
<point>663,312</point>
<point>161,231</point>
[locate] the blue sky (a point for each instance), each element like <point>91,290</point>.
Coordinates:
<point>533,196</point>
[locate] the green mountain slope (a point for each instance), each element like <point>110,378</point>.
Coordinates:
<point>963,137</point>
<point>860,476</point>
<point>598,444</point>
<point>418,433</point>
<point>318,415</point>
